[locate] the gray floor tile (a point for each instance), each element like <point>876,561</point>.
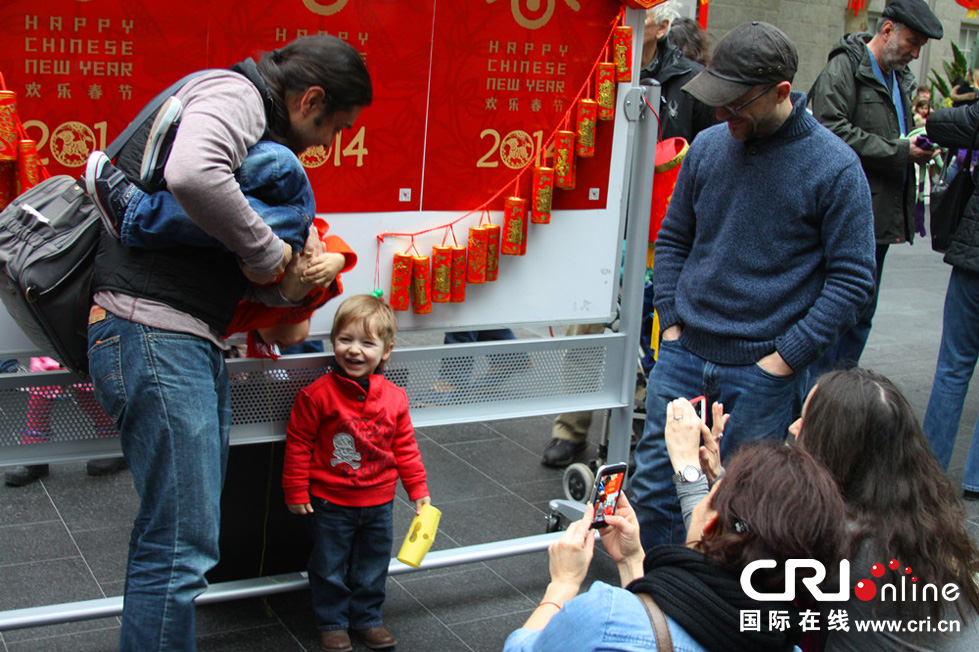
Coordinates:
<point>452,598</point>
<point>451,479</point>
<point>251,639</point>
<point>103,639</point>
<point>460,433</point>
<point>101,549</point>
<point>20,543</point>
<point>481,521</point>
<point>29,504</point>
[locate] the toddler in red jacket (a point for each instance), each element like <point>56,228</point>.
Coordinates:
<point>348,441</point>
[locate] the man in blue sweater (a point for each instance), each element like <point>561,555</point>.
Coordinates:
<point>765,257</point>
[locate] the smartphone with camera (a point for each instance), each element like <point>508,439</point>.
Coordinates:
<point>700,406</point>
<point>605,494</point>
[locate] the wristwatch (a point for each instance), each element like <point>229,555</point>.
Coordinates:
<point>688,473</point>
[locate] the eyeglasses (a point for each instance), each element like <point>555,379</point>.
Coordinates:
<point>736,110</point>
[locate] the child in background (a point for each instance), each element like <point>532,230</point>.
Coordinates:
<point>348,441</point>
<point>276,187</point>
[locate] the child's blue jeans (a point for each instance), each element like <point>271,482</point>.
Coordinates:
<point>274,183</point>
<point>348,566</point>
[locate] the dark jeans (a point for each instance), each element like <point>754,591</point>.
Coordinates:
<point>760,405</point>
<point>274,183</point>
<point>348,566</point>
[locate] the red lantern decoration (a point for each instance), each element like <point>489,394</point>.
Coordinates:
<point>564,176</point>
<point>458,294</point>
<point>972,6</point>
<point>441,273</point>
<point>642,4</point>
<point>514,227</point>
<point>622,52</point>
<point>8,124</point>
<point>29,170</point>
<point>605,90</point>
<point>400,281</point>
<point>421,286</point>
<point>587,115</point>
<point>541,194</point>
<point>492,250</point>
<point>476,267</point>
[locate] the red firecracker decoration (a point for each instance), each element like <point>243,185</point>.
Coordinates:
<point>622,52</point>
<point>421,286</point>
<point>476,267</point>
<point>856,6</point>
<point>441,273</point>
<point>8,125</point>
<point>587,116</point>
<point>458,294</point>
<point>8,182</point>
<point>514,227</point>
<point>605,90</point>
<point>400,281</point>
<point>29,169</point>
<point>541,194</point>
<point>564,175</point>
<point>492,251</point>
<point>972,6</point>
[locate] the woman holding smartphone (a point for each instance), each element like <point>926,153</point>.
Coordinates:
<point>697,586</point>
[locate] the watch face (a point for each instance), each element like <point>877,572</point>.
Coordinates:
<point>691,473</point>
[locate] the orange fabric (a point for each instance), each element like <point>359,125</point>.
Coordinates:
<point>251,315</point>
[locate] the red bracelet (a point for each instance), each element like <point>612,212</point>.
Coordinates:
<point>551,603</point>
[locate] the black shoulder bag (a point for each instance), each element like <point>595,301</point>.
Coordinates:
<point>949,198</point>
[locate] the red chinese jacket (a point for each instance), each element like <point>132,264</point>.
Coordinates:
<point>349,446</point>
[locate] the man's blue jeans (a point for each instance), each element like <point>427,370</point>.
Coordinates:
<point>274,183</point>
<point>760,405</point>
<point>348,566</point>
<point>168,394</point>
<point>957,358</point>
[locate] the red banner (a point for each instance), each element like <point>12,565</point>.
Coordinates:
<point>490,79</point>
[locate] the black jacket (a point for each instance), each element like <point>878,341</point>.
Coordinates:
<point>953,128</point>
<point>849,100</point>
<point>681,114</point>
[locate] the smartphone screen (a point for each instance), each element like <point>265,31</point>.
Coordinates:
<point>608,486</point>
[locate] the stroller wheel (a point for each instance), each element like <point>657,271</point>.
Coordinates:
<point>578,481</point>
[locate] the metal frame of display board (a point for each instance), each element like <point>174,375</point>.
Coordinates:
<point>497,380</point>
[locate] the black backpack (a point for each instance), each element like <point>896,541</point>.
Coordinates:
<point>49,236</point>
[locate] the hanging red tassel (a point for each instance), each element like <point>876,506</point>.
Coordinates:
<point>492,250</point>
<point>605,90</point>
<point>564,174</point>
<point>441,273</point>
<point>541,194</point>
<point>587,116</point>
<point>421,286</point>
<point>458,274</point>
<point>514,227</point>
<point>476,267</point>
<point>622,52</point>
<point>400,281</point>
